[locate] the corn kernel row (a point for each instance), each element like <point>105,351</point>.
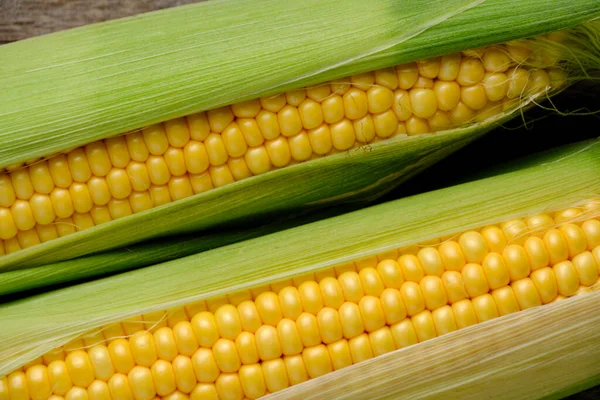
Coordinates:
<point>123,175</point>
<point>265,339</point>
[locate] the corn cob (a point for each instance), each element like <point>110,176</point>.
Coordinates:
<point>262,340</point>
<point>128,174</point>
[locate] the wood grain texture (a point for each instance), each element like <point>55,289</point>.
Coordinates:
<point>21,19</point>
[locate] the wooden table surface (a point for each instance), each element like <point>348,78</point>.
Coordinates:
<point>20,19</point>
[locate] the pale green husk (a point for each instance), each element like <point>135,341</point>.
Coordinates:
<point>559,179</point>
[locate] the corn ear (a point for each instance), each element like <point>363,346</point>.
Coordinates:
<point>27,331</point>
<point>69,88</point>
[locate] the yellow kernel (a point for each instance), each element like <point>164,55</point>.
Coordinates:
<point>267,343</point>
<point>219,118</point>
<point>424,325</point>
<point>289,337</point>
<point>517,81</point>
<point>545,282</point>
<point>246,109</point>
<point>591,229</point>
<point>407,75</point>
<point>317,361</point>
<point>470,72</point>
<point>163,377</point>
<point>21,183</point>
<point>351,320</point>
<point>246,347</point>
<point>364,129</point>
<point>449,66</point>
<point>300,147</point>
<point>310,114</point>
<point>220,175</point>
<point>485,307</point>
<point>452,255</point>
<point>526,293</point>
<point>517,262</point>
<point>355,103</point>
<point>296,369</point>
<point>474,96</point>
<point>249,316</point>
<point>433,291</point>
<point>575,238</point>
<point>424,102</point>
<point>474,280</point>
<point>556,245</point>
<point>413,298</point>
<point>505,299</point>
<point>258,161</point>
<point>342,135</point>
<point>417,126</point>
<point>495,60</point>
<point>587,268</point>
<point>333,109</point>
<point>462,114</point>
<point>183,370</point>
<point>454,286</point>
<point>318,93</point>
<point>495,270</point>
<point>289,120</point>
<point>464,313</point>
<point>278,151</point>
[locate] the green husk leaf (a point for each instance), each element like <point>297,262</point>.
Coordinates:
<point>69,88</point>
<point>558,179</point>
<point>532,354</point>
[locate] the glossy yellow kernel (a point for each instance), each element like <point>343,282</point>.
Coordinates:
<point>575,238</point>
<point>7,193</point>
<point>290,121</point>
<point>526,293</point>
<point>185,378</point>
<point>98,390</point>
<point>495,270</point>
<point>40,177</point>
<point>423,83</point>
<point>402,106</point>
<point>496,60</point>
<point>567,215</point>
<point>119,388</point>
<point>407,75</point>
<point>556,245</point>
<point>449,65</point>
<point>185,338</point>
<point>249,316</point>
<point>252,380</point>
<point>155,139</point>
<point>416,126</point>
<point>495,238</point>
<point>220,175</point>
<point>464,313</point>
<point>537,253</point>
<point>470,72</point>
<point>141,383</point>
<point>17,386</point>
<point>331,292</point>
<point>310,114</point>
<point>166,346</point>
<point>229,387</point>
<point>296,369</point>
<point>118,151</point>
<point>295,97</point>
<point>424,102</point>
<point>351,320</point>
<point>219,118</point>
<point>474,96</point>
<point>98,158</point>
<point>136,146</point>
<point>38,382</point>
<point>329,325</point>
<point>318,93</point>
<point>258,161</point>
<point>355,103</point>
<point>333,109</point>
<point>80,368</point>
<point>76,393</point>
<point>273,103</point>
<point>454,286</point>
<point>433,291</point>
<point>440,121</point>
<point>351,286</point>
<point>474,280</point>
<point>279,151</point>
<point>41,207</point>
<point>363,81</point>
<point>517,82</point>
<point>444,321</point>
<point>120,354</point>
<point>268,124</point>
<point>175,160</point>
<point>485,307</point>
<point>545,283</point>
<point>516,261</point>
<point>163,377</point>
<point>308,329</point>
<point>413,298</point>
<point>101,362</point>
<point>385,123</point>
<point>538,81</point>
<point>205,366</point>
<point>160,195</point>
<point>587,268</point>
<point>462,114</point>
<point>591,229</point>
<point>275,374</point>
<point>404,333</point>
<point>300,147</point>
<point>474,246</point>
<point>290,302</point>
<point>452,256</point>
<point>180,187</point>
<point>320,139</point>
<point>59,168</point>
<point>424,325</point>
<point>269,308</point>
<point>411,268</point>
<point>226,355</point>
<point>289,338</point>
<point>371,281</point>
<point>267,343</point>
<point>317,361</point>
<point>251,131</point>
<point>382,341</point>
<point>246,347</point>
<point>495,86</point>
<point>204,391</point>
<point>21,183</point>
<point>28,238</point>
<point>393,306</point>
<point>364,129</point>
<point>390,273</point>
